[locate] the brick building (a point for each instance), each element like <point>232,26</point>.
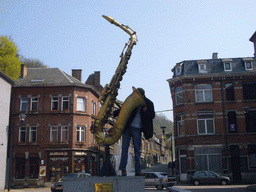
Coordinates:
<point>214,106</point>
<point>56,133</point>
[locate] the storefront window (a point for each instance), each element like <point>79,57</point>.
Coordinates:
<point>20,168</point>
<point>33,167</point>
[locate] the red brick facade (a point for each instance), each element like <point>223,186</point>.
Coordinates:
<point>211,110</point>
<point>56,131</point>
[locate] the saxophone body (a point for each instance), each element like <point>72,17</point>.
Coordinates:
<point>110,92</point>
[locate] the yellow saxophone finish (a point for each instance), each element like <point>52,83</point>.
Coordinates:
<point>110,92</point>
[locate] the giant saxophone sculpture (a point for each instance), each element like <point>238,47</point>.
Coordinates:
<point>110,91</point>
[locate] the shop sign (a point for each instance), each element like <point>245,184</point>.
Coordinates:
<point>80,153</point>
<point>103,187</point>
<point>42,171</point>
<point>58,153</point>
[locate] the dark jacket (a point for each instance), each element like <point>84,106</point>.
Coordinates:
<point>146,118</point>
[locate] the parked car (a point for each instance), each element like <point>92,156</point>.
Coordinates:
<point>159,180</point>
<point>58,186</point>
<point>209,177</point>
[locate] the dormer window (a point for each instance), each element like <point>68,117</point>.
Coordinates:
<point>202,68</point>
<point>248,65</point>
<point>227,66</point>
<point>178,70</point>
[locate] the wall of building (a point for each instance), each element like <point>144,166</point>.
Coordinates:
<point>5,96</point>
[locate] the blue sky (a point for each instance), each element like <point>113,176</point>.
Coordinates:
<point>70,34</point>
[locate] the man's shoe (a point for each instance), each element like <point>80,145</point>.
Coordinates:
<point>139,174</point>
<point>124,173</point>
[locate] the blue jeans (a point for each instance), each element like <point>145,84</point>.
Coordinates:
<point>135,134</point>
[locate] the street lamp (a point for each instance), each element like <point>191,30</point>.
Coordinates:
<point>163,130</point>
<point>21,118</point>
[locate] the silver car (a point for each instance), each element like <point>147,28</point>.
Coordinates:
<point>159,180</point>
<point>210,177</point>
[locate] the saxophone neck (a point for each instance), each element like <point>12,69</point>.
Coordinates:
<point>126,28</point>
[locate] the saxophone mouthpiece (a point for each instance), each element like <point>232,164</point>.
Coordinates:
<point>111,20</point>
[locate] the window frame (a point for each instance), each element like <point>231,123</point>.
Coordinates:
<point>249,90</point>
<point>206,120</point>
<point>51,133</point>
<point>24,132</point>
<point>178,70</point>
<point>230,92</point>
<point>82,104</point>
<point>203,90</point>
<point>32,102</point>
<point>202,70</point>
<point>230,65</point>
<point>94,107</point>
<point>64,101</point>
<point>53,100</point>
<point>65,128</point>
<point>178,92</point>
<point>80,130</point>
<point>180,121</point>
<point>24,103</point>
<point>251,66</point>
<point>232,121</point>
<point>31,134</point>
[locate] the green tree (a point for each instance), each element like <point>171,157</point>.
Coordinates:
<point>9,61</point>
<point>32,63</point>
<point>161,120</point>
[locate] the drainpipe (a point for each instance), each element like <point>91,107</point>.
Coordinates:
<point>224,123</point>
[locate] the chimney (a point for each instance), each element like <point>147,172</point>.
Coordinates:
<point>253,39</point>
<point>97,79</point>
<point>77,73</point>
<point>215,56</point>
<point>23,71</point>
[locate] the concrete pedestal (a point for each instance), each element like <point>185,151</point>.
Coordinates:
<point>105,184</point>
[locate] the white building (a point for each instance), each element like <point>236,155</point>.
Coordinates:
<point>5,98</point>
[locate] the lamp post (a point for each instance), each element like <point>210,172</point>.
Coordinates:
<point>163,131</point>
<point>21,118</point>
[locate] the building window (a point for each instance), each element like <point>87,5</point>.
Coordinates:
<point>179,95</point>
<point>93,107</point>
<point>248,65</point>
<point>20,168</point>
<point>178,71</point>
<point>232,124</point>
<point>54,134</point>
<point>80,104</point>
<point>24,104</point>
<point>208,159</point>
<point>34,104</point>
<point>183,161</point>
<point>22,134</point>
<point>180,125</point>
<point>55,103</point>
<point>227,67</point>
<point>230,95</point>
<point>250,120</point>
<point>80,133</point>
<point>252,156</point>
<point>32,134</point>
<point>65,103</point>
<point>205,123</point>
<point>64,133</point>
<point>33,167</point>
<point>202,68</point>
<point>249,90</point>
<point>203,93</point>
